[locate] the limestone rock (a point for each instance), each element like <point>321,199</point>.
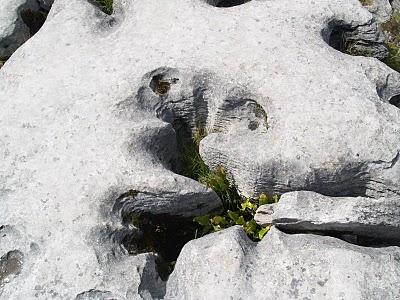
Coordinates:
<point>381,9</point>
<point>92,106</point>
<point>227,265</point>
<point>377,219</point>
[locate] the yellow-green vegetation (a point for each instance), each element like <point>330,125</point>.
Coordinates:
<point>105,5</point>
<point>391,29</point>
<point>236,210</point>
<point>242,215</point>
<point>367,2</point>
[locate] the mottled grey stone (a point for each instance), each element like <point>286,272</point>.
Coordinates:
<point>308,211</point>
<point>227,265</point>
<point>83,123</point>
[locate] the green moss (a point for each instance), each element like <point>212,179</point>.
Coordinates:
<point>367,2</point>
<point>105,5</point>
<point>391,29</point>
<point>393,60</point>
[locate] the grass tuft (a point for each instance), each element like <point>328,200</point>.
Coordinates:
<point>106,6</point>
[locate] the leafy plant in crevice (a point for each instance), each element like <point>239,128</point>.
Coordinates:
<point>236,210</point>
<point>105,5</point>
<point>243,216</point>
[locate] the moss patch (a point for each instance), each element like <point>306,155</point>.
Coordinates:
<point>367,2</point>
<point>393,59</point>
<point>391,29</point>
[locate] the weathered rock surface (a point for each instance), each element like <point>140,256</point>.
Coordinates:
<point>92,104</point>
<point>227,265</point>
<point>381,9</point>
<point>378,219</point>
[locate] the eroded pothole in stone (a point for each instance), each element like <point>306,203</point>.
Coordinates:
<point>34,19</point>
<point>10,266</point>
<point>362,40</point>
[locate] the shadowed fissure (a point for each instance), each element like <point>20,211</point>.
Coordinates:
<point>226,3</point>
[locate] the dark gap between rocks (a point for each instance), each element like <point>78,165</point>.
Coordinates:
<point>226,3</point>
<point>34,19</point>
<point>164,235</point>
<point>395,100</point>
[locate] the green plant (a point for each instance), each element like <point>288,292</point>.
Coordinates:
<point>194,167</point>
<point>105,5</point>
<point>243,216</point>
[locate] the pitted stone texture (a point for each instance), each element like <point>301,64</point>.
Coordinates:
<point>378,219</point>
<point>70,149</point>
<point>227,265</point>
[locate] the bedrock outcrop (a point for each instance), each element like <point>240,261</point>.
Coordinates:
<point>359,218</point>
<point>93,107</point>
<point>227,265</point>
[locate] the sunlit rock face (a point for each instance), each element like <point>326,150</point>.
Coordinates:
<point>92,104</point>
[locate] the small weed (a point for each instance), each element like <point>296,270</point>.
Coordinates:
<point>243,216</point>
<point>105,5</point>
